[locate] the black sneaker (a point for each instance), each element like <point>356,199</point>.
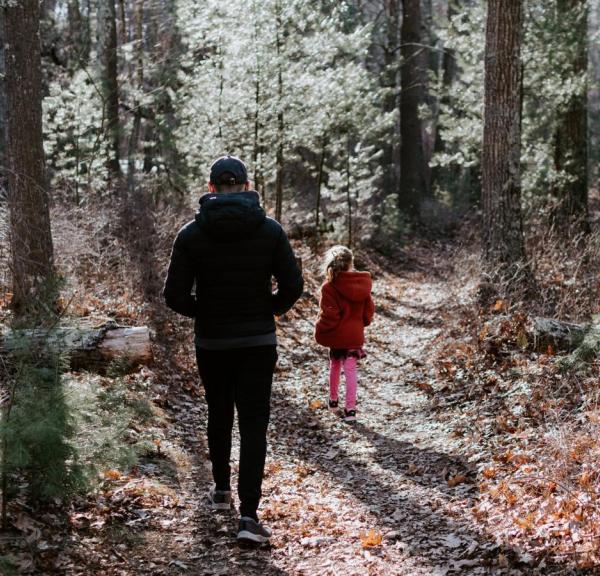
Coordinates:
<point>252,531</point>
<point>349,415</point>
<point>220,500</point>
<point>333,404</point>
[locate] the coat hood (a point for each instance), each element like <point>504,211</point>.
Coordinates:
<point>354,286</point>
<point>230,216</point>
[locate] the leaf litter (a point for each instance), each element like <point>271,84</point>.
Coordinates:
<point>434,478</point>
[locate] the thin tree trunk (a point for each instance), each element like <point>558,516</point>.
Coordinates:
<point>31,237</point>
<point>3,111</point>
<point>319,186</point>
<point>448,75</point>
<point>79,35</point>
<point>348,194</point>
<point>166,54</point>
<point>503,245</point>
<point>429,65</point>
<point>390,145</point>
<point>413,184</point>
<point>257,80</point>
<point>107,54</point>
<point>570,137</point>
<point>123,19</point>
<point>280,121</point>
<point>137,111</point>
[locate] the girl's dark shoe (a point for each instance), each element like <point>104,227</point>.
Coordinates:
<point>349,415</point>
<point>333,404</point>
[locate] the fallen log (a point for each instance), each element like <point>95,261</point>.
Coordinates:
<point>86,347</point>
<point>561,336</point>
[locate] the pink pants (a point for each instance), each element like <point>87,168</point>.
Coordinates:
<point>335,368</point>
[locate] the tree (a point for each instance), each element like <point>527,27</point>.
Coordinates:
<point>107,55</point>
<point>3,114</point>
<point>413,183</point>
<point>295,102</point>
<point>570,136</point>
<point>503,245</point>
<point>79,33</point>
<point>389,76</point>
<point>31,238</point>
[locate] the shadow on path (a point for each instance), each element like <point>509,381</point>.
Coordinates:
<point>417,519</point>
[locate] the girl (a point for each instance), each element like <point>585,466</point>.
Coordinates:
<point>346,307</point>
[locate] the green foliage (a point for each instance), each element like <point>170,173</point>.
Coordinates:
<point>36,429</point>
<point>101,415</point>
<point>7,568</point>
<point>327,94</point>
<point>549,84</point>
<point>59,430</point>
<point>461,115</point>
<point>75,135</point>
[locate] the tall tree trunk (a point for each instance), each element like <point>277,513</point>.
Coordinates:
<point>3,112</point>
<point>349,195</point>
<point>413,183</point>
<point>256,152</point>
<point>429,65</point>
<point>503,245</point>
<point>390,145</point>
<point>107,54</point>
<point>134,138</point>
<point>31,238</point>
<point>448,72</point>
<point>570,137</point>
<point>280,119</point>
<point>166,54</point>
<point>320,177</point>
<point>79,34</point>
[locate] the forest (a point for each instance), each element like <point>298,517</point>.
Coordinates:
<point>452,145</point>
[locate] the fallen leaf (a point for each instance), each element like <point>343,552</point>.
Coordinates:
<point>112,474</point>
<point>458,479</point>
<point>371,538</point>
<point>489,472</point>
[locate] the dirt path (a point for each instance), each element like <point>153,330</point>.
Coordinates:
<point>397,479</point>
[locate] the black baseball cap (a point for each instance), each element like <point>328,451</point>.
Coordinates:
<point>228,170</point>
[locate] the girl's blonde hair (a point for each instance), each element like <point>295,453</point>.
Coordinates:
<point>337,259</point>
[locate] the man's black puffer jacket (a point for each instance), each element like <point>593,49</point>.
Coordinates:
<point>231,251</point>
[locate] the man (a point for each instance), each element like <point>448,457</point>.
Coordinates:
<point>230,252</point>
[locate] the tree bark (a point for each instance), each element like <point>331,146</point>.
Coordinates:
<point>570,137</point>
<point>3,112</point>
<point>348,195</point>
<point>107,55</point>
<point>320,178</point>
<point>79,34</point>
<point>413,183</point>
<point>256,152</point>
<point>31,237</point>
<point>134,138</point>
<point>280,119</point>
<point>503,245</point>
<point>390,145</point>
<point>448,71</point>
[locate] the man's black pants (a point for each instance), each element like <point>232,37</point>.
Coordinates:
<point>242,378</point>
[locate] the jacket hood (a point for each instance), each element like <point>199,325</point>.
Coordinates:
<point>230,216</point>
<point>354,286</point>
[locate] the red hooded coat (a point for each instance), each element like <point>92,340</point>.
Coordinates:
<point>346,308</point>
